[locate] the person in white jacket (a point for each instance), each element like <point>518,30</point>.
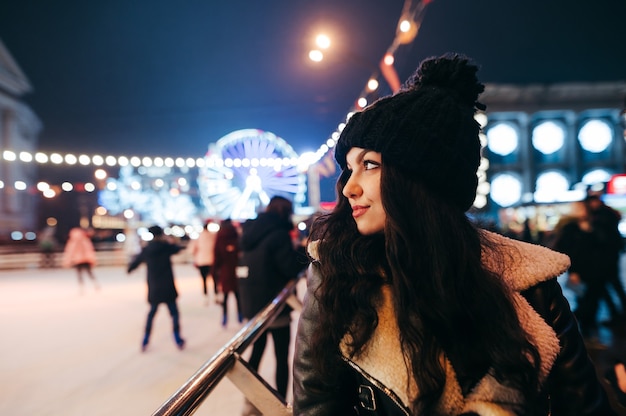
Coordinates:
<point>202,251</point>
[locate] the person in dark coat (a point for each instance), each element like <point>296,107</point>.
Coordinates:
<point>161,288</point>
<point>226,259</point>
<point>272,261</point>
<point>610,244</point>
<point>574,237</point>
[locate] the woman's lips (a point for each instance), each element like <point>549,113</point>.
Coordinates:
<point>358,210</point>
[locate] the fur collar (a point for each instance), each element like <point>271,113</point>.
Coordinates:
<point>529,263</point>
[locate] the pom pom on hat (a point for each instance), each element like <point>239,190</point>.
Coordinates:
<point>427,130</point>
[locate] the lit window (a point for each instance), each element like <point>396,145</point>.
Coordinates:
<point>551,186</point>
<point>553,181</point>
<point>548,137</point>
<point>506,189</point>
<point>502,139</point>
<point>595,135</point>
<point>596,176</point>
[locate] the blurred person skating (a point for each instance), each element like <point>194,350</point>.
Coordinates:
<point>575,238</point>
<point>272,261</point>
<point>157,255</point>
<point>411,308</point>
<point>202,250</point>
<point>47,245</point>
<point>605,227</point>
<point>80,254</point>
<point>225,265</point>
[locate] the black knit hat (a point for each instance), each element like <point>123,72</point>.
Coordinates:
<point>427,130</point>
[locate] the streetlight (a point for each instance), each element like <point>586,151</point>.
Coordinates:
<point>322,42</point>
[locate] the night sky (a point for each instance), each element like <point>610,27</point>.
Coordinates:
<point>165,78</point>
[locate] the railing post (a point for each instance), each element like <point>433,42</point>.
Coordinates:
<point>257,390</point>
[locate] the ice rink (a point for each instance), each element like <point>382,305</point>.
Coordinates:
<point>67,352</point>
<point>75,353</point>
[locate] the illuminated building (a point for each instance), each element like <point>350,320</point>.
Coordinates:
<point>548,145</point>
<point>19,129</point>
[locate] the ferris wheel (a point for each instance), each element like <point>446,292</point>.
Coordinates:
<point>244,169</point>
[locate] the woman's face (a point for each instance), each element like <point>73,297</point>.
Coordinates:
<point>363,190</point>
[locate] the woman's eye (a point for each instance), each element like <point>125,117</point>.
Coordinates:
<point>368,164</point>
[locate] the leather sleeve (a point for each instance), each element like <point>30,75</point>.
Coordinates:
<point>312,396</point>
<point>572,385</point>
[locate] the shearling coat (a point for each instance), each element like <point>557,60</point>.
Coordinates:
<point>376,382</point>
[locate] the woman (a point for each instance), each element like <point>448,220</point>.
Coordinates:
<point>202,250</point>
<point>413,310</point>
<point>80,254</point>
<point>226,260</point>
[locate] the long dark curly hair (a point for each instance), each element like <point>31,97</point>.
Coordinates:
<point>446,300</point>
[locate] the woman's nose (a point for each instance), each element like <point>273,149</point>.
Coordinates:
<point>351,188</point>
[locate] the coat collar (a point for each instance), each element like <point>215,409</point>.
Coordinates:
<point>526,264</point>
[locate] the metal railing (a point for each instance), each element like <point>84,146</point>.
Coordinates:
<point>228,362</point>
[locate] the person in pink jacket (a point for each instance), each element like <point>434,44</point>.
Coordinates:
<point>80,254</point>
